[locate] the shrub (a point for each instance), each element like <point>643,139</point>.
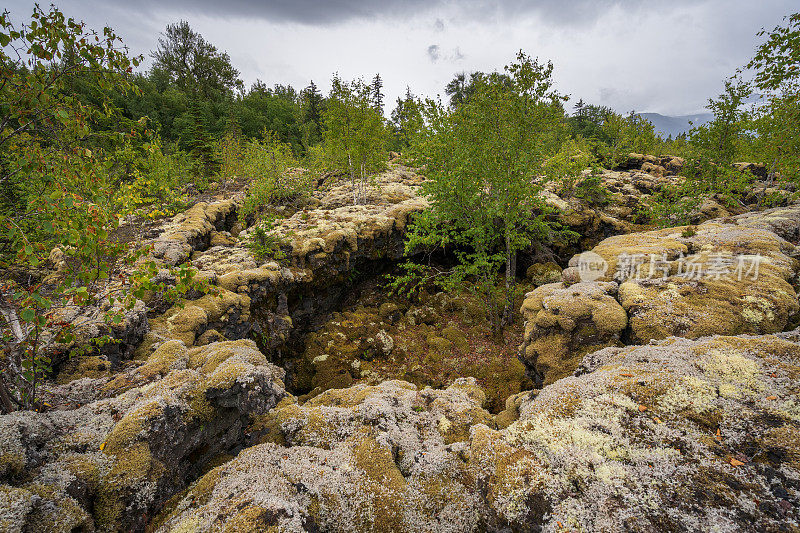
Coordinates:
<point>264,243</point>
<point>156,188</point>
<point>276,175</point>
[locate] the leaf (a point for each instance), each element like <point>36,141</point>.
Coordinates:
<point>642,408</point>
<point>28,314</point>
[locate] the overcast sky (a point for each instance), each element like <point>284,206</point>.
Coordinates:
<point>658,56</point>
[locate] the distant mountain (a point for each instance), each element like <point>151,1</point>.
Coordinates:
<point>665,125</point>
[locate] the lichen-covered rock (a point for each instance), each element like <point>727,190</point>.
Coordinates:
<point>226,312</point>
<point>681,435</point>
<point>562,324</point>
<point>657,165</point>
<point>111,463</point>
<point>324,243</point>
<point>543,273</point>
<point>782,221</point>
<point>193,229</point>
<point>90,326</point>
<point>714,278</point>
<point>383,458</point>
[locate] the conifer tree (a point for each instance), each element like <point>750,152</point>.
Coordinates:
<point>377,94</point>
<point>200,146</point>
<point>407,119</point>
<point>312,104</point>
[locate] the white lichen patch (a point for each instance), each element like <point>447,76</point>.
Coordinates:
<point>690,392</point>
<point>737,373</point>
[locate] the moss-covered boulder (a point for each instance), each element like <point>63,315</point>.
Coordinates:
<point>382,458</point>
<point>543,273</point>
<point>688,434</point>
<point>109,464</point>
<point>562,324</point>
<point>717,278</point>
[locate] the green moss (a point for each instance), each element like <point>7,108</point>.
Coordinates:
<point>458,339</point>
<point>440,345</point>
<point>783,444</point>
<point>188,525</point>
<point>199,406</point>
<point>83,468</point>
<point>134,465</point>
<point>58,513</point>
<point>157,365</point>
<point>131,427</point>
<point>12,464</point>
<point>385,484</point>
<point>251,518</point>
<point>84,367</point>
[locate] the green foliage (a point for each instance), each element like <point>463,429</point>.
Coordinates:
<point>712,149</point>
<point>174,102</point>
<point>629,134</point>
<point>407,120</point>
<point>276,178</point>
<point>229,152</point>
<point>777,61</point>
<point>463,86</point>
<point>62,159</point>
<point>587,122</point>
<point>264,243</point>
<point>769,133</point>
<point>776,120</point>
<point>376,94</point>
<point>414,278</point>
<point>201,148</point>
<point>154,189</point>
<point>716,145</point>
<point>566,165</point>
<point>312,108</point>
<point>484,159</point>
<point>355,135</point>
<point>193,64</point>
<point>591,190</point>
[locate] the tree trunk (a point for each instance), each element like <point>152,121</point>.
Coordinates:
<point>5,399</point>
<point>511,273</point>
<point>352,178</point>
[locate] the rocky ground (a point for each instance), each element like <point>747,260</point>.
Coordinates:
<point>300,396</point>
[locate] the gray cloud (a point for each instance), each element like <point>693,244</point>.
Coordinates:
<point>666,56</point>
<point>330,12</point>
